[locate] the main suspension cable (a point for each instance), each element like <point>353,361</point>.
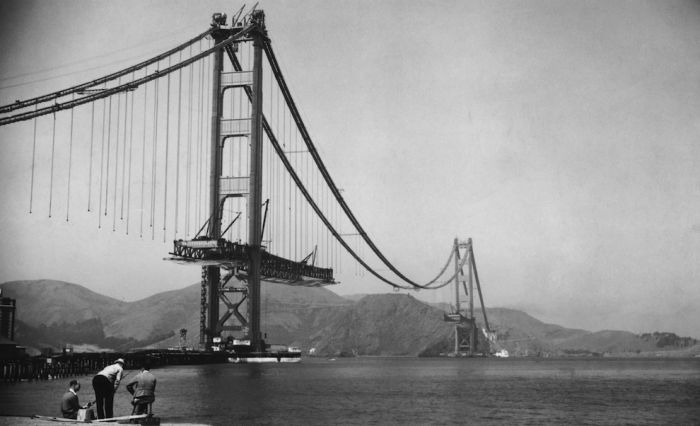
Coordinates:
<point>321,166</point>
<point>96,82</point>
<point>127,86</point>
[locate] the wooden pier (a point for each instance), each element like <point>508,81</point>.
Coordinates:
<point>79,364</point>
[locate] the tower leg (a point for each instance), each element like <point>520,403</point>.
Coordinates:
<point>203,312</point>
<point>255,197</point>
<point>213,275</point>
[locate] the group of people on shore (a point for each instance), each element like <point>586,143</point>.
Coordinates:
<point>105,383</point>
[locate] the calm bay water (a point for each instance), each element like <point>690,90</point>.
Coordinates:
<point>405,391</point>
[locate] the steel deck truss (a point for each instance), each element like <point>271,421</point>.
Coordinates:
<point>231,255</point>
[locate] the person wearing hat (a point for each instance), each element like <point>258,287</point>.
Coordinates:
<point>105,384</point>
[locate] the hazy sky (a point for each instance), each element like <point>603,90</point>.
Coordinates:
<point>562,136</point>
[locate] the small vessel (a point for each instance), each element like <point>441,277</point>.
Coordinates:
<point>240,352</point>
<point>501,354</point>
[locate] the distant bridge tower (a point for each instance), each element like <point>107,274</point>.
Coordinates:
<point>465,328</point>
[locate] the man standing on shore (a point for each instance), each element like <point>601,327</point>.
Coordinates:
<point>105,384</point>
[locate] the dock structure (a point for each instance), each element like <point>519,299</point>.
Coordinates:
<point>78,364</point>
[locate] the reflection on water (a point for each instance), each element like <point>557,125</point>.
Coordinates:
<point>406,391</point>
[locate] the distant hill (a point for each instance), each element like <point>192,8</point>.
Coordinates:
<point>50,302</point>
<point>383,324</point>
<point>55,313</point>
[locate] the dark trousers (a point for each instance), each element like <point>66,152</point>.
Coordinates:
<point>104,396</point>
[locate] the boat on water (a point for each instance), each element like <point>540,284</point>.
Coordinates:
<point>502,354</point>
<point>240,352</point>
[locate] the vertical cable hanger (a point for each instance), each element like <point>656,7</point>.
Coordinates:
<point>31,186</point>
<point>198,136</point>
<point>53,152</point>
<point>131,147</point>
<point>92,144</point>
<point>328,232</point>
<point>202,166</point>
<point>167,151</point>
<point>126,119</point>
<point>189,149</point>
<point>70,162</point>
<point>102,161</point>
<point>197,119</point>
<point>154,160</point>
<point>177,156</point>
<point>109,152</point>
<point>116,161</point>
<point>143,154</point>
<point>205,133</point>
<point>294,193</point>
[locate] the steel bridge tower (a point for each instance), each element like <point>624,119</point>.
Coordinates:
<point>223,187</point>
<point>465,329</point>
<point>247,262</point>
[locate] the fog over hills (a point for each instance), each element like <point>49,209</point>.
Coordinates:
<point>54,313</point>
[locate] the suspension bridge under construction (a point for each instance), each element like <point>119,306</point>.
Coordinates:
<point>204,145</point>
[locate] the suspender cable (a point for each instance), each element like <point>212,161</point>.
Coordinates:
<point>200,142</point>
<point>105,79</point>
<point>143,158</point>
<point>126,119</point>
<point>200,154</point>
<point>92,140</point>
<point>127,86</point>
<point>307,214</point>
<point>319,213</point>
<point>53,152</point>
<point>154,162</point>
<point>31,186</point>
<point>70,164</point>
<point>319,162</point>
<point>167,151</point>
<point>131,148</point>
<point>240,172</point>
<point>109,152</point>
<point>198,147</point>
<point>116,165</point>
<point>309,199</point>
<point>297,240</point>
<point>177,157</point>
<point>189,151</point>
<point>280,187</point>
<point>102,162</point>
<point>207,128</point>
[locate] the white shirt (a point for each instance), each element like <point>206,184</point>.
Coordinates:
<point>113,373</point>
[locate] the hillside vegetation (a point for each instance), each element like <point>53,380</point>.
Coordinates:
<point>54,313</point>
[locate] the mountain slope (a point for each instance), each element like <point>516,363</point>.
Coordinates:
<point>51,302</point>
<point>383,324</point>
<point>379,324</point>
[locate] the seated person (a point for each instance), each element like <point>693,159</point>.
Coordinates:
<point>69,402</point>
<point>143,388</point>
